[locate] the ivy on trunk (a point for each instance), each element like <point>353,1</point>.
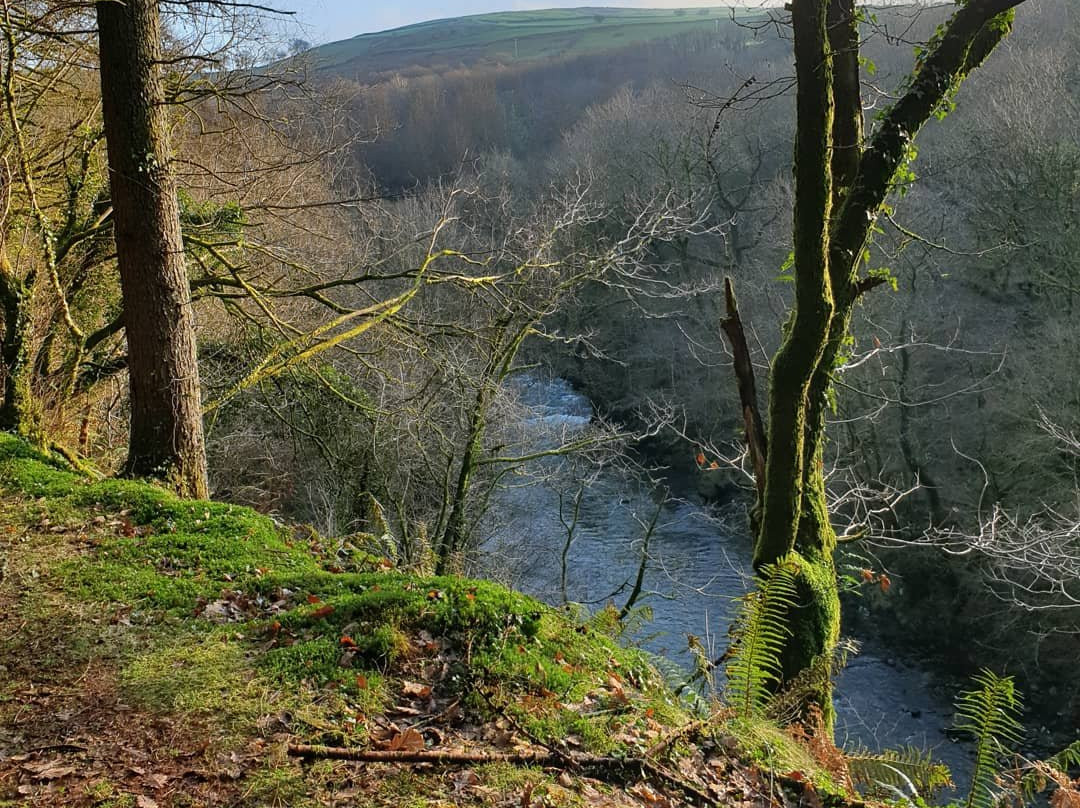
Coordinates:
<point>841,182</point>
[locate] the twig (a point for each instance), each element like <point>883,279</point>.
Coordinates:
<point>613,770</point>
<point>681,732</point>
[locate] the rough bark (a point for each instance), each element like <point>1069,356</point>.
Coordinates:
<point>834,173</point>
<point>15,415</point>
<point>806,330</point>
<point>166,438</point>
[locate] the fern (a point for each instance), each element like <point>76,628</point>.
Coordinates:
<point>1067,758</point>
<point>681,685</point>
<point>760,633</point>
<point>989,716</point>
<point>786,706</point>
<point>908,768</point>
<point>1036,777</point>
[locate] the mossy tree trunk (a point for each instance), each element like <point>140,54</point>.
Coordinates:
<point>166,439</point>
<point>840,185</point>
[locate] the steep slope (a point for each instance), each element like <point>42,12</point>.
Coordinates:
<point>161,652</point>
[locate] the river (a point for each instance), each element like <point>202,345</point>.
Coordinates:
<point>699,563</point>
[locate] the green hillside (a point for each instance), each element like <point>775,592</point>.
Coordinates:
<point>520,36</point>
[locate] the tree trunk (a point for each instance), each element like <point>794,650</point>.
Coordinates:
<point>166,439</point>
<point>839,189</point>
<point>795,519</point>
<point>17,412</point>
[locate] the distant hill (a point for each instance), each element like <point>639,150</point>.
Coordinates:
<point>514,37</point>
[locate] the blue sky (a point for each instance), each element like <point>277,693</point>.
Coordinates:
<point>329,20</point>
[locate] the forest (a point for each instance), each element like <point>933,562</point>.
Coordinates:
<point>578,407</point>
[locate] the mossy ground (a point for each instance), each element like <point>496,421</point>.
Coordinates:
<point>157,651</point>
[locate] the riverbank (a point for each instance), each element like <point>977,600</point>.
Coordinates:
<point>898,692</point>
<point>162,652</point>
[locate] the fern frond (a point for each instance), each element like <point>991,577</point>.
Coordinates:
<point>675,677</point>
<point>760,634</point>
<point>1036,777</point>
<point>907,768</point>
<point>785,707</point>
<point>1068,758</point>
<point>989,715</point>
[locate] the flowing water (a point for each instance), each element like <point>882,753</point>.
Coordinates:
<point>698,565</point>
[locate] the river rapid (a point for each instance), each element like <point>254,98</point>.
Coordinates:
<point>699,564</point>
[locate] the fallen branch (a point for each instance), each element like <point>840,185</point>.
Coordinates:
<point>686,729</point>
<point>613,770</point>
<point>445,756</point>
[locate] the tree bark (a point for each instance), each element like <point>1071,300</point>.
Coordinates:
<point>834,174</point>
<point>166,438</point>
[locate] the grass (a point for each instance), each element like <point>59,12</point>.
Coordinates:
<point>205,631</point>
<point>521,36</point>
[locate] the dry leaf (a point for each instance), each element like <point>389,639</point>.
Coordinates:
<point>49,770</point>
<point>408,741</point>
<point>466,779</point>
<point>157,780</point>
<point>416,690</point>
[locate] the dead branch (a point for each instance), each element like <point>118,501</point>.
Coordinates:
<point>610,769</point>
<point>744,376</point>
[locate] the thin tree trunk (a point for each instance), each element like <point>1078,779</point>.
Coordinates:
<point>166,439</point>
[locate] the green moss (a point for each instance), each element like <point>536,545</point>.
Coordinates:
<point>306,646</point>
<point>204,674</point>
<point>774,750</point>
<point>814,625</point>
<point>277,787</point>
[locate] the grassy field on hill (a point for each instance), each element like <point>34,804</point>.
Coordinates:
<point>509,37</point>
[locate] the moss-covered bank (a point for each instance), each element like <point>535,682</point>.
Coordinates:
<point>158,651</point>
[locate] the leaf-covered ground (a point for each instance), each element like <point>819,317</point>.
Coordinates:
<point>161,652</point>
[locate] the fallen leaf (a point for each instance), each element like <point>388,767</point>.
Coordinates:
<point>416,689</point>
<point>143,801</point>
<point>157,780</point>
<point>323,611</point>
<point>49,770</point>
<point>408,741</point>
<point>313,599</point>
<point>466,779</point>
<point>348,641</point>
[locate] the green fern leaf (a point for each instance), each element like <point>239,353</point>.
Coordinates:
<point>989,715</point>
<point>1036,776</point>
<point>760,635</point>
<point>906,768</point>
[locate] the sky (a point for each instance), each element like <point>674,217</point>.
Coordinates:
<point>330,20</point>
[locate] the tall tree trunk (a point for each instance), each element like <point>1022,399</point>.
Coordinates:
<point>17,410</point>
<point>795,516</point>
<point>166,439</point>
<point>839,188</point>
